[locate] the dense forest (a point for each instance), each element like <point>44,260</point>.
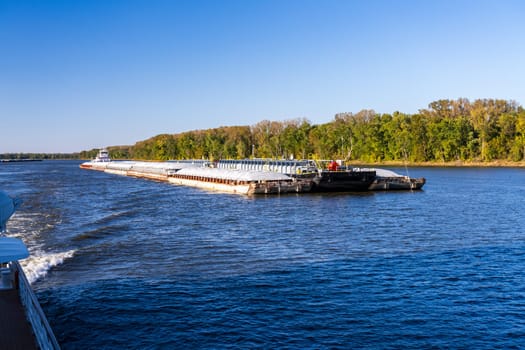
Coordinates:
<point>449,130</point>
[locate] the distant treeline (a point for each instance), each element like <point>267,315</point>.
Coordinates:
<point>21,156</point>
<point>449,130</point>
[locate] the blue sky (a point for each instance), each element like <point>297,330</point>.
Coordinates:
<point>77,75</point>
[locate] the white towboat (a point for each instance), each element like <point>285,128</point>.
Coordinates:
<point>100,161</point>
<point>102,156</point>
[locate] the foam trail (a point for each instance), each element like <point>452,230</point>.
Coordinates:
<point>38,264</point>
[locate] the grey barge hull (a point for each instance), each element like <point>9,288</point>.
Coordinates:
<point>397,184</point>
<point>343,181</point>
<point>388,180</point>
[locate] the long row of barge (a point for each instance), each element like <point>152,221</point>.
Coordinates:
<point>257,176</point>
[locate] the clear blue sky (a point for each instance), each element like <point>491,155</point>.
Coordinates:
<point>76,75</point>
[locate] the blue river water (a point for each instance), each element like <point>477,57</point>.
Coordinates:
<point>125,263</point>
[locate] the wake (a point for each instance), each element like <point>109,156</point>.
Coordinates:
<point>38,264</point>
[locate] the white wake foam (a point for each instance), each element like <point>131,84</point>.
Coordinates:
<point>38,264</point>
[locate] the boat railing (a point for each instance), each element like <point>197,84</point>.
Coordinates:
<point>44,335</point>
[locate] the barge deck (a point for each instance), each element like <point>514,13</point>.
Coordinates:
<point>200,175</point>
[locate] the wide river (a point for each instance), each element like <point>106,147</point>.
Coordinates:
<point>120,263</point>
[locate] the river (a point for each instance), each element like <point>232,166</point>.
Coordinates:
<point>126,263</point>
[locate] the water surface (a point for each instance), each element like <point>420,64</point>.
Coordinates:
<point>125,263</point>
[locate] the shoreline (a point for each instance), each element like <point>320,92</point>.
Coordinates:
<point>455,164</point>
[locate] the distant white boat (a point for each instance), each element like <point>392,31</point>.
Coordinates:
<point>101,160</point>
<point>102,156</point>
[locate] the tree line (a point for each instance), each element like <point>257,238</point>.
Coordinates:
<point>448,130</point>
<point>32,156</point>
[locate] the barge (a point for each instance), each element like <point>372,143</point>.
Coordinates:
<point>238,181</point>
<point>325,176</point>
<point>259,176</point>
<point>204,175</point>
<point>390,180</point>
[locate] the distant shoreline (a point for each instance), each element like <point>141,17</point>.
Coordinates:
<point>455,164</point>
<point>19,160</point>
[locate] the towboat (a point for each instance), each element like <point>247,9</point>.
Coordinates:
<point>100,161</point>
<point>102,156</point>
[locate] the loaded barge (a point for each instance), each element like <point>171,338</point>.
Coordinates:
<point>238,181</point>
<point>201,174</point>
<point>330,178</point>
<point>242,177</point>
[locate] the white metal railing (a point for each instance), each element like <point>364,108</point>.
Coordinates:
<point>44,335</point>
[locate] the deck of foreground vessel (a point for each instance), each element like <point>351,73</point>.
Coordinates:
<point>15,330</point>
<point>23,324</point>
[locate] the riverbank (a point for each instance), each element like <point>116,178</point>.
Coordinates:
<point>459,164</point>
<point>455,164</point>
<point>19,160</point>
